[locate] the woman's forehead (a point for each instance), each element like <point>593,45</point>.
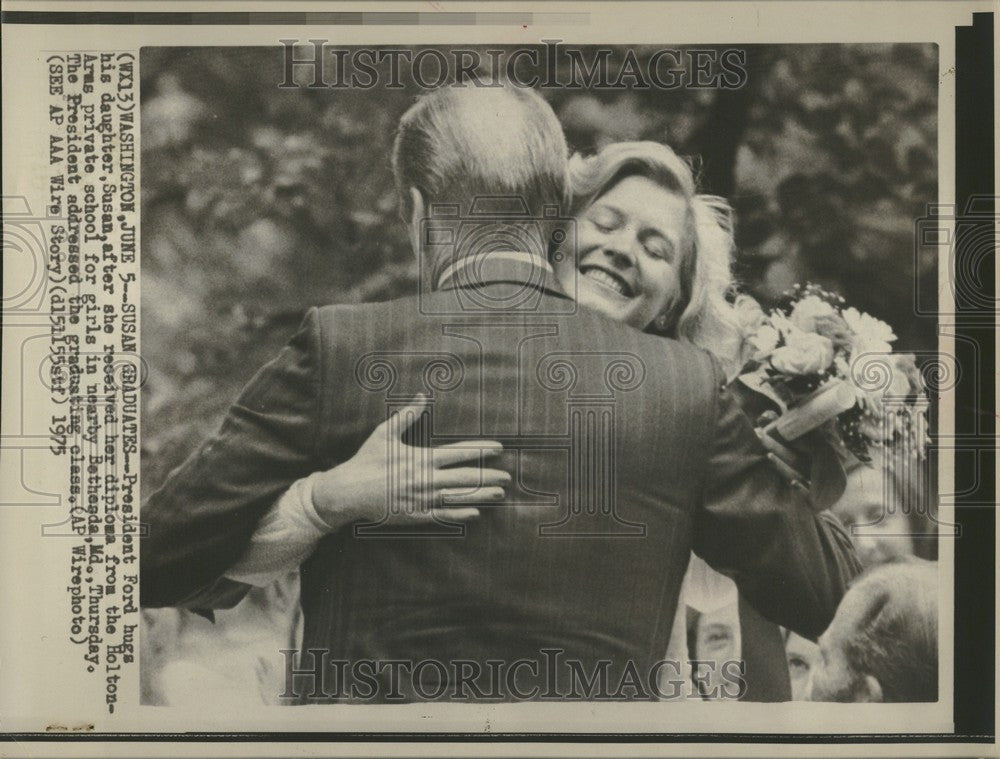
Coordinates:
<point>645,200</point>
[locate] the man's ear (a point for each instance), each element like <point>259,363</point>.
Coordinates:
<point>870,691</point>
<point>417,213</point>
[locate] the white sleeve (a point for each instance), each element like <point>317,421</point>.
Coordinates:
<point>285,537</point>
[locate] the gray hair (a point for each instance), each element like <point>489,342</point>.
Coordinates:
<point>458,143</point>
<point>896,640</point>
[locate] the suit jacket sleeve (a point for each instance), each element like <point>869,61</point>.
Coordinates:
<point>202,518</point>
<point>792,563</point>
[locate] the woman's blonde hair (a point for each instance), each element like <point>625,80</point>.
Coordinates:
<point>702,315</point>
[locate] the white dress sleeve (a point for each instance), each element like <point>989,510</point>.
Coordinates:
<point>285,537</point>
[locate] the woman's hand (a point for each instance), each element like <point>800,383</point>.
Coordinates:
<point>414,481</point>
<point>826,479</point>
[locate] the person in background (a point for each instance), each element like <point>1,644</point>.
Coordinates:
<point>802,655</point>
<point>869,510</point>
<point>713,639</point>
<point>723,630</point>
<point>882,645</point>
<point>886,507</point>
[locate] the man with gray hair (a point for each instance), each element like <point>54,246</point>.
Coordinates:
<point>882,645</point>
<point>492,162</point>
<point>621,453</point>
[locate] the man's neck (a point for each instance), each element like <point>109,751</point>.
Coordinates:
<point>513,266</point>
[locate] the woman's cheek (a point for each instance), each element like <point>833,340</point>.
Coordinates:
<point>587,238</point>
<point>667,285</point>
<point>674,280</point>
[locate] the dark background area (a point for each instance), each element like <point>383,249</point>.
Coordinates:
<point>259,202</point>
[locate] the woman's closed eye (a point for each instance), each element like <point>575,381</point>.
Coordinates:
<point>658,247</point>
<point>604,218</point>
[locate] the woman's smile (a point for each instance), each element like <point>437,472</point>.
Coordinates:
<point>607,279</point>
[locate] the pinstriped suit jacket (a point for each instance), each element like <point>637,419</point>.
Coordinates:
<point>626,454</point>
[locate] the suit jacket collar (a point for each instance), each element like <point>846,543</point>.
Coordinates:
<point>501,267</point>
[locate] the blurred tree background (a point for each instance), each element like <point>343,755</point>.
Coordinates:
<point>260,202</point>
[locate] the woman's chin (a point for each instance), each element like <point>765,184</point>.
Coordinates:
<point>619,309</point>
<point>603,299</point>
<point>611,304</point>
<point>616,309</point>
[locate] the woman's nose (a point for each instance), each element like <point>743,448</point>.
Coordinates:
<point>619,250</point>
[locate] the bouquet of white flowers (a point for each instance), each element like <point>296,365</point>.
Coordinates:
<point>813,358</point>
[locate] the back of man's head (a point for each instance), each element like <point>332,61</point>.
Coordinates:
<point>462,142</point>
<point>895,638</point>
